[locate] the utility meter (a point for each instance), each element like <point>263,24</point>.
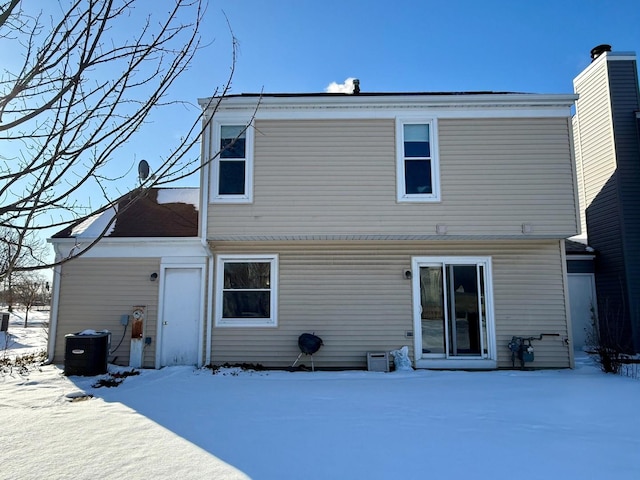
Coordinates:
<point>138,321</point>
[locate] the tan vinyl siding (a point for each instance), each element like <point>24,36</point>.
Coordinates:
<point>594,136</point>
<point>338,177</point>
<point>580,180</point>
<point>354,296</point>
<point>94,293</point>
<point>500,173</point>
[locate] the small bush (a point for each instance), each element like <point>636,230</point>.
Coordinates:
<point>114,379</point>
<point>22,364</point>
<point>607,341</point>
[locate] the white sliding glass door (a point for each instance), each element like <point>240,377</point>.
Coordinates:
<point>453,308</point>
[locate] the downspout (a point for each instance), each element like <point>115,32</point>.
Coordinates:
<point>204,210</point>
<point>55,301</point>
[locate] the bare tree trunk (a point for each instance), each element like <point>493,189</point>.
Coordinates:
<point>9,294</point>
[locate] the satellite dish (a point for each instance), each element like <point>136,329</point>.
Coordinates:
<point>143,170</point>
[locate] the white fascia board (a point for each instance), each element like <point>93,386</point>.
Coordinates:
<point>417,111</point>
<point>441,106</point>
<point>131,247</point>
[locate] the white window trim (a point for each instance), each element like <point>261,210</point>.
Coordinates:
<point>402,196</point>
<point>215,163</point>
<point>245,322</point>
<point>490,360</point>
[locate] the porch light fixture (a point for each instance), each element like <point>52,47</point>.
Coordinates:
<point>153,277</point>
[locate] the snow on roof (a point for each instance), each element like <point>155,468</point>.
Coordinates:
<point>93,226</point>
<point>179,195</point>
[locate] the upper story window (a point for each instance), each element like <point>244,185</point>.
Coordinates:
<point>418,176</point>
<point>233,168</point>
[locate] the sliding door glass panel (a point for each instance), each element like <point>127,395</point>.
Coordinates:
<point>433,309</point>
<point>463,294</point>
<point>482,309</point>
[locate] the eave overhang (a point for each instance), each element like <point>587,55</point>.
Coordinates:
<point>388,105</point>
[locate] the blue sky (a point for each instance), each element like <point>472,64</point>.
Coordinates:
<point>409,45</point>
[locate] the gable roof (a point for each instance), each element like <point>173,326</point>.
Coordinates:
<point>160,212</point>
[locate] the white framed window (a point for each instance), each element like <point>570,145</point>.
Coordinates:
<point>418,172</point>
<point>232,169</point>
<point>246,291</point>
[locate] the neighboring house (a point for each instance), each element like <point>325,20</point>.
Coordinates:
<point>435,221</point>
<point>607,143</point>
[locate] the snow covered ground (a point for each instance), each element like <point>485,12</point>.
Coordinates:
<point>20,341</point>
<point>190,424</point>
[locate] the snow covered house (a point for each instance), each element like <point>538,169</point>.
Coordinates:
<point>375,220</point>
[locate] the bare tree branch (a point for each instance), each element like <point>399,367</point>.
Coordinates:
<point>81,90</point>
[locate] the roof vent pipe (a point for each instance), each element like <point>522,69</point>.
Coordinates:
<point>599,50</point>
<point>356,86</point>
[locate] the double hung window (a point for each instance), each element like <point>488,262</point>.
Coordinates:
<point>246,290</point>
<point>233,167</point>
<point>417,163</point>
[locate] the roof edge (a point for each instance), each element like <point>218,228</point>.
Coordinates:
<point>382,100</point>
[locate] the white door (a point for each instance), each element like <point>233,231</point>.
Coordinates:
<point>582,301</point>
<point>180,321</point>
